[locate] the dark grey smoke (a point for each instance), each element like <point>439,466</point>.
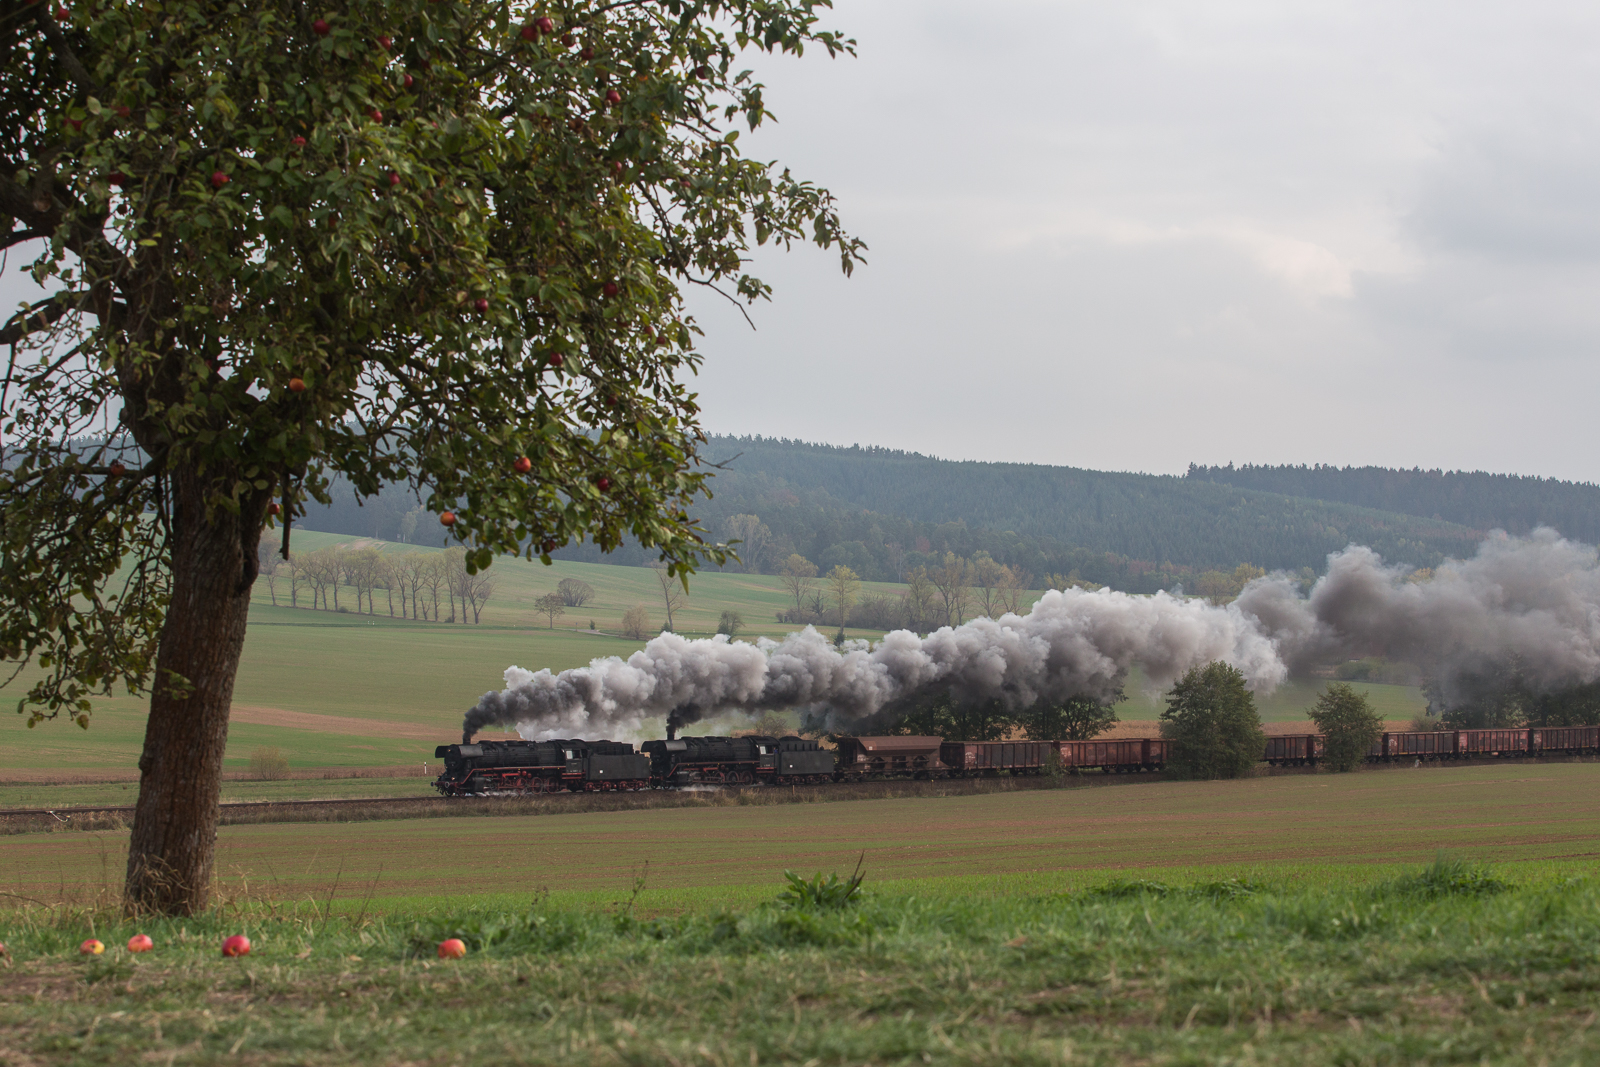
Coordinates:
<point>1072,643</point>
<point>1534,600</point>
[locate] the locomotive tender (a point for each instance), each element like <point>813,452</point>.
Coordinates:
<point>490,767</point>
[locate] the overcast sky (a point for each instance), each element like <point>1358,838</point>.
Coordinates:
<point>1134,235</point>
<point>1140,234</point>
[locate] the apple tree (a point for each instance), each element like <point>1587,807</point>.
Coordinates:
<point>418,242</point>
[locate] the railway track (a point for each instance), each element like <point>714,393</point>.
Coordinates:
<point>236,805</point>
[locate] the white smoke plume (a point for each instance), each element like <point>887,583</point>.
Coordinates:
<point>1534,598</point>
<point>1072,643</point>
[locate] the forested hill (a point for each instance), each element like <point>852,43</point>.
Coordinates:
<point>1471,498</point>
<point>883,512</point>
<point>1153,518</point>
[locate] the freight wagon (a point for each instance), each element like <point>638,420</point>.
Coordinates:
<point>1123,755</point>
<point>1292,750</point>
<point>889,757</point>
<point>987,759</point>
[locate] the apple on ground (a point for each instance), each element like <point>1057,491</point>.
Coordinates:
<point>140,943</point>
<point>452,948</point>
<point>91,947</point>
<point>237,945</point>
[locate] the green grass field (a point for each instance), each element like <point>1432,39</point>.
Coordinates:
<point>1285,920</point>
<point>345,690</point>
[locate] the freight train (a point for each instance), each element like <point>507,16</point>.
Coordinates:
<point>500,767</point>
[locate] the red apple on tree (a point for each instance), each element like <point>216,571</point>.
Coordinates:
<point>124,111</point>
<point>394,178</point>
<point>377,116</point>
<point>586,54</point>
<point>408,80</point>
<point>117,178</point>
<point>546,25</point>
<point>548,545</point>
<point>273,508</point>
<point>482,304</point>
<point>613,97</point>
<point>447,518</point>
<point>556,359</point>
<point>297,385</point>
<point>529,32</point>
<point>386,43</point>
<point>320,28</point>
<point>298,142</point>
<point>603,484</point>
<point>117,470</point>
<point>610,289</point>
<point>523,465</point>
<point>219,179</point>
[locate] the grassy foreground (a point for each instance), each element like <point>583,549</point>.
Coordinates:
<point>1448,965</point>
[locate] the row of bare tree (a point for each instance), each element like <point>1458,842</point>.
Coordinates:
<point>944,595</point>
<point>428,585</point>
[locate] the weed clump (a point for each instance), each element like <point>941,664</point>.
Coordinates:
<point>819,894</point>
<point>1446,878</point>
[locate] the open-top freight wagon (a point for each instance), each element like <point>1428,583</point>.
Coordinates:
<point>1122,755</point>
<point>1485,744</point>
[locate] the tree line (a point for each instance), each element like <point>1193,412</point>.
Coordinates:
<point>427,585</point>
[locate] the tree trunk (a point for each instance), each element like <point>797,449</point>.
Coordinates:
<point>174,835</point>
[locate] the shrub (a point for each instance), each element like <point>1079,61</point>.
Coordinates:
<point>1348,726</point>
<point>1212,724</point>
<point>269,765</point>
<point>636,622</point>
<point>730,623</point>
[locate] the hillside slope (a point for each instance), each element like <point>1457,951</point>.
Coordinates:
<point>1190,522</point>
<point>1475,499</point>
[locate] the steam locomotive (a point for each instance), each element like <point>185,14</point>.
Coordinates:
<point>490,767</point>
